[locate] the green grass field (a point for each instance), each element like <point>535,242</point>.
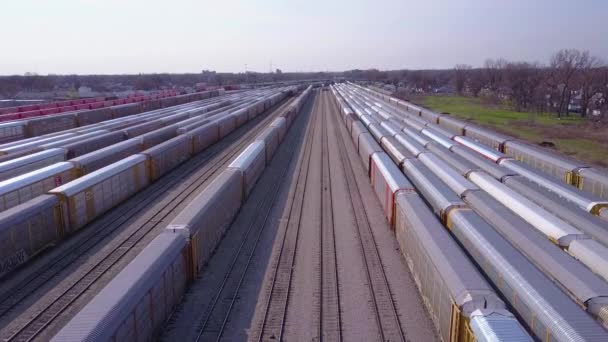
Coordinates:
<point>565,133</point>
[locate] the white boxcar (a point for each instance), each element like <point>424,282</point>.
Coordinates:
<point>270,138</point>
<point>89,196</point>
<point>205,219</point>
<point>387,180</point>
<point>204,136</point>
<point>95,160</point>
<point>250,163</point>
<point>27,229</point>
<point>138,301</point>
<point>281,124</point>
<point>166,156</point>
<point>31,162</point>
<point>10,131</point>
<point>17,190</point>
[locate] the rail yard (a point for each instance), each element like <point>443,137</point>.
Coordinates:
<point>297,211</point>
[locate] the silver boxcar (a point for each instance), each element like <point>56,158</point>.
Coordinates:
<point>497,325</point>
<point>11,131</point>
<point>204,136</point>
<point>560,207</point>
<point>281,124</point>
<point>367,146</point>
<point>429,115</point>
<point>411,145</point>
<point>438,137</point>
<point>357,128</point>
<point>439,196</point>
<point>95,160</point>
<point>593,181</point>
<point>584,200</point>
<point>165,156</point>
<point>378,132</point>
<point>27,229</point>
<point>23,188</point>
<point>487,137</point>
<point>204,221</point>
<point>270,138</point>
<point>33,144</point>
<point>226,125</point>
<point>387,180</point>
<point>241,116</point>
<point>134,305</point>
<point>142,128</point>
<point>158,136</point>
<point>125,110</point>
<point>460,164</point>
<point>88,117</point>
<point>417,136</point>
<point>89,196</point>
<point>480,148</point>
<point>31,162</point>
<point>250,163</point>
<point>84,146</point>
<point>547,311</point>
<point>49,124</point>
<point>458,183</point>
<point>482,163</point>
<point>396,151</point>
<point>554,228</point>
<point>452,124</point>
<point>450,285</point>
<point>589,290</point>
<point>544,160</point>
<point>391,127</point>
<point>595,256</point>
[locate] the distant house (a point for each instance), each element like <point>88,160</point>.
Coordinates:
<point>85,92</point>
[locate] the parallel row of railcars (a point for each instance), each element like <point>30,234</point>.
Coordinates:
<point>582,235</point>
<point>35,126</point>
<point>49,109</point>
<point>81,189</point>
<point>135,304</point>
<point>451,287</point>
<point>544,285</point>
<point>572,172</point>
<point>27,176</point>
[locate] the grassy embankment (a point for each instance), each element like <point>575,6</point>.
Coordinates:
<point>571,135</point>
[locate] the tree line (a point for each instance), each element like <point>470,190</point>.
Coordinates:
<point>527,86</point>
<point>10,86</point>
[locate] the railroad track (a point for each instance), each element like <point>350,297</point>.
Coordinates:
<point>387,318</point>
<point>214,320</point>
<point>44,317</point>
<point>329,323</point>
<point>275,308</point>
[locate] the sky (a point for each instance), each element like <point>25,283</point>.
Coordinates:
<point>152,36</point>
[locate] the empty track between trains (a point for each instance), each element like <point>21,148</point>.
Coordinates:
<point>335,265</point>
<point>114,239</point>
<point>309,256</point>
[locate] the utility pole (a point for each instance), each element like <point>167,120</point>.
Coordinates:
<point>246,75</point>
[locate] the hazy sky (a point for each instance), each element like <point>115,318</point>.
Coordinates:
<point>132,36</point>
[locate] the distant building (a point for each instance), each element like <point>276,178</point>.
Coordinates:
<point>85,92</point>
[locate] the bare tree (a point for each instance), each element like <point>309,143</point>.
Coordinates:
<point>476,81</point>
<point>494,73</point>
<point>523,81</point>
<point>461,72</point>
<point>590,81</point>
<point>565,65</point>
